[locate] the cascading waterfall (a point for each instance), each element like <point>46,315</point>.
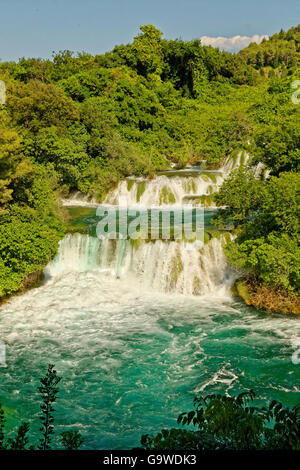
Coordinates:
<point>234,161</point>
<point>173,189</point>
<point>166,266</point>
<point>167,189</point>
<point>163,190</point>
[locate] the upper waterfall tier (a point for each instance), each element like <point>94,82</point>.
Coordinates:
<point>177,188</point>
<point>174,187</point>
<point>163,190</point>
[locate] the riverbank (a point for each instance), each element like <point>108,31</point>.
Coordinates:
<point>265,298</point>
<point>30,282</point>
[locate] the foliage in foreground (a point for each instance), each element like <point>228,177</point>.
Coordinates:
<point>71,440</point>
<point>230,423</point>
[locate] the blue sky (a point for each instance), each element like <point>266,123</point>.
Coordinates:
<point>34,28</point>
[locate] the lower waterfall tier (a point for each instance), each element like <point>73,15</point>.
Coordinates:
<point>165,266</point>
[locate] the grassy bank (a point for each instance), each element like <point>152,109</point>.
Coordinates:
<point>265,298</point>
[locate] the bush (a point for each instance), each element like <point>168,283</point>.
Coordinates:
<point>230,423</point>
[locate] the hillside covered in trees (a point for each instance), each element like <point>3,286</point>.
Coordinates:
<point>82,122</point>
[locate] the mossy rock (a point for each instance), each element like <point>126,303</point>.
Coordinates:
<point>206,200</point>
<point>213,177</point>
<point>140,190</point>
<point>136,243</point>
<point>207,237</point>
<point>235,153</point>
<point>190,186</point>
<point>243,159</point>
<point>176,269</point>
<point>243,291</point>
<point>235,158</point>
<point>130,183</point>
<point>233,290</point>
<point>196,286</point>
<point>216,234</point>
<point>226,237</point>
<point>205,178</point>
<point>166,196</point>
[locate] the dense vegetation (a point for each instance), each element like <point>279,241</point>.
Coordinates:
<point>230,423</point>
<point>266,211</point>
<point>267,243</point>
<point>83,122</point>
<point>281,52</point>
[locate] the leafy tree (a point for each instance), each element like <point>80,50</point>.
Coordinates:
<point>36,105</point>
<point>12,166</point>
<point>268,215</point>
<point>71,440</point>
<point>49,393</point>
<point>21,440</point>
<point>229,423</point>
<point>30,230</point>
<point>146,51</point>
<point>242,195</point>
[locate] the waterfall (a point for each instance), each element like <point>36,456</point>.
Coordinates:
<point>167,266</point>
<point>80,199</point>
<point>164,190</point>
<point>234,161</point>
<point>174,187</point>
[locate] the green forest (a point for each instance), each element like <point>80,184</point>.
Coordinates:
<point>81,122</point>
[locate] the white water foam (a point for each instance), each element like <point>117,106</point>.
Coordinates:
<point>165,266</point>
<point>163,190</point>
